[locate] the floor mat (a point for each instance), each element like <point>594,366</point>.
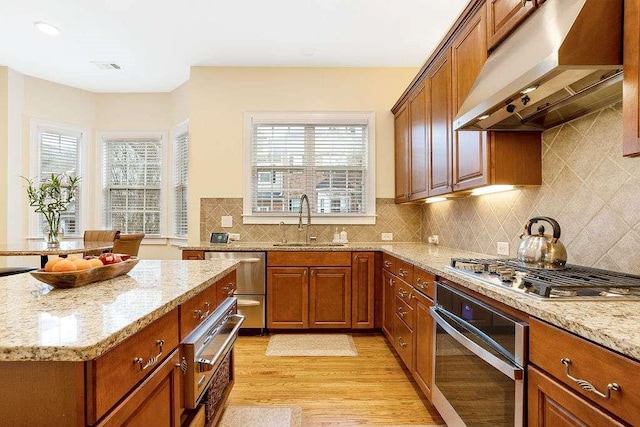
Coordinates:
<point>311,345</point>
<point>256,416</point>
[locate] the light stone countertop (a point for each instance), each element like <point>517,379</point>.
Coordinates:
<point>614,324</point>
<point>38,322</point>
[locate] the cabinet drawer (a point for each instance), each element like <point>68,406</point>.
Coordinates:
<point>424,282</point>
<point>191,255</point>
<point>113,374</point>
<point>405,292</point>
<point>305,259</point>
<point>403,341</point>
<point>226,287</point>
<point>196,309</point>
<point>589,362</point>
<point>389,263</point>
<point>405,271</point>
<point>404,311</point>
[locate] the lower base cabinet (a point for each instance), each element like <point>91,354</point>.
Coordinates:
<point>423,372</point>
<point>154,402</point>
<point>288,302</point>
<point>552,404</point>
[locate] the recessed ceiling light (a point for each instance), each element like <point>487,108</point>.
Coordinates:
<point>47,29</point>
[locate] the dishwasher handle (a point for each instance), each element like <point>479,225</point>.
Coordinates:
<point>512,371</point>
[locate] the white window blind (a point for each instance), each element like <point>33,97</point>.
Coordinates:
<point>132,180</point>
<point>326,161</point>
<point>59,154</point>
<point>180,175</point>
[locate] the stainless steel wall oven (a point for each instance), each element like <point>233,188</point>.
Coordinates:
<point>480,358</point>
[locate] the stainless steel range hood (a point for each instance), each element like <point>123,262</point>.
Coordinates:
<point>570,51</point>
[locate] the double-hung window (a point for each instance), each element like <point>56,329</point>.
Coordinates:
<point>58,149</point>
<point>327,156</point>
<point>132,169</point>
<point>180,175</point>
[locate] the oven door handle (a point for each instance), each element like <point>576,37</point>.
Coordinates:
<point>209,364</point>
<point>512,371</point>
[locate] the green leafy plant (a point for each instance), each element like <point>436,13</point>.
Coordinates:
<point>51,197</point>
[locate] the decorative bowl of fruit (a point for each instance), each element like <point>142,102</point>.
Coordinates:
<point>73,272</point>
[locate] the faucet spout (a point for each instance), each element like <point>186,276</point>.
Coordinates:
<point>304,199</point>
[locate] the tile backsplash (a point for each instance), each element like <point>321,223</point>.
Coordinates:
<point>404,221</point>
<point>588,187</point>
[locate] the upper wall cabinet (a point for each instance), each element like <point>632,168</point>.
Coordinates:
<point>402,153</point>
<point>439,80</point>
<point>503,16</point>
<point>631,88</point>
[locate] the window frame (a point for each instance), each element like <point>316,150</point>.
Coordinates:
<point>102,138</point>
<point>176,131</point>
<point>335,117</point>
<point>36,127</point>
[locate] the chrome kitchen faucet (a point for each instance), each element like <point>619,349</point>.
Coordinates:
<point>304,198</point>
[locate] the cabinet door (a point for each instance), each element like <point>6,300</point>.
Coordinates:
<point>418,124</point>
<point>155,402</point>
<point>402,154</point>
<point>468,55</point>
<point>362,290</point>
<point>504,16</point>
<point>424,348</point>
<point>389,299</point>
<point>440,126</point>
<point>288,301</point>
<point>552,404</point>
<point>631,94</point>
<point>330,297</point>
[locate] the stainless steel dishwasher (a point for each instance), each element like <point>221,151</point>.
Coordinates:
<point>251,286</point>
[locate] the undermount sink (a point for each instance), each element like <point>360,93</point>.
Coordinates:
<point>314,244</point>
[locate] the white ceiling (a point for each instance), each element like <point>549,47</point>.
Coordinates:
<point>156,41</point>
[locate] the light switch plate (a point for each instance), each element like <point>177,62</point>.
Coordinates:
<point>503,248</point>
<point>387,236</point>
<point>226,221</point>
<point>234,236</point>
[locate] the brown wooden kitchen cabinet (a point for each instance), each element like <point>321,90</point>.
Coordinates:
<point>154,402</point>
<point>552,404</point>
<point>504,16</point>
<point>631,88</point>
<point>440,121</point>
<point>402,154</point>
<point>555,396</point>
<point>329,297</point>
<point>388,286</point>
<point>363,290</point>
<point>423,371</point>
<point>419,177</point>
<point>308,290</point>
<point>288,302</point>
<point>192,255</point>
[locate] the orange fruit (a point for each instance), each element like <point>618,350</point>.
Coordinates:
<point>49,265</point>
<point>72,257</point>
<point>64,265</point>
<point>81,264</point>
<point>95,262</point>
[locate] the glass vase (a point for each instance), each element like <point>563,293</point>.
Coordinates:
<point>53,231</point>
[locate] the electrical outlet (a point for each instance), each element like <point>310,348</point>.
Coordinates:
<point>387,236</point>
<point>226,221</point>
<point>234,236</point>
<point>503,248</point>
<point>433,239</point>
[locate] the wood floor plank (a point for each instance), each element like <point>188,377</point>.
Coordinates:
<point>368,389</point>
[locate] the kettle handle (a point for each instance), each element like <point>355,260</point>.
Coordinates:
<point>553,222</point>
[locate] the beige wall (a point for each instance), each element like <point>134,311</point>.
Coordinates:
<point>588,187</point>
<point>180,104</point>
<point>219,97</point>
<point>4,116</point>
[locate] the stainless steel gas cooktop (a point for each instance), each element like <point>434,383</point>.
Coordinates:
<point>574,282</point>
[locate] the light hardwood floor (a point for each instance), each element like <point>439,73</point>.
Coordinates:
<point>369,389</point>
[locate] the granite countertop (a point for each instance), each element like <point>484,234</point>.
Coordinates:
<point>614,324</point>
<point>38,322</point>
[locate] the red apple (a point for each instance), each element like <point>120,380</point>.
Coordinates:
<point>109,258</point>
<point>123,257</point>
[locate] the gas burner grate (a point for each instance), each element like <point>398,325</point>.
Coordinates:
<point>573,280</point>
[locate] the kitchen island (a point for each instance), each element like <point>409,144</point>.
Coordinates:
<point>55,344</point>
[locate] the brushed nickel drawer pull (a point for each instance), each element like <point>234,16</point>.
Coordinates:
<point>400,343</point>
<point>401,313</point>
<point>201,314</point>
<point>402,293</point>
<point>152,361</point>
<point>387,264</point>
<point>586,385</point>
<point>402,272</point>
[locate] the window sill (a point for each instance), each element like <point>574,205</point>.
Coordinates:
<point>315,219</point>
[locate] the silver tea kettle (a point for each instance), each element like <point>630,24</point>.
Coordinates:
<point>542,251</point>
